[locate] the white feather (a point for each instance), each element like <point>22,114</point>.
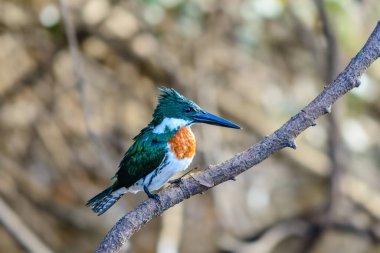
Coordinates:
<point>157,178</point>
<point>171,123</point>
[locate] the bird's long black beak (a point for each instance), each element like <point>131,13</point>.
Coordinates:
<point>208,118</point>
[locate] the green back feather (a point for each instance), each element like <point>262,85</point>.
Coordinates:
<point>144,156</point>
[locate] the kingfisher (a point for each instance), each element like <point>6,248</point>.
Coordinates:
<point>163,148</point>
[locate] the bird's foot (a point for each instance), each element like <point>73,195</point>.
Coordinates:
<point>151,195</point>
<point>154,196</point>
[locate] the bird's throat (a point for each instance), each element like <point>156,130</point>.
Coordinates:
<point>183,143</point>
<point>169,124</point>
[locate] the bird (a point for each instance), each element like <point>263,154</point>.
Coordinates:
<point>161,149</point>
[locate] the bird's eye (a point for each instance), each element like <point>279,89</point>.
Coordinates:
<point>187,109</point>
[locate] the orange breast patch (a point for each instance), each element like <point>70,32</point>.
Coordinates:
<point>183,143</point>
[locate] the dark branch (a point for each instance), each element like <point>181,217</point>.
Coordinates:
<point>331,63</point>
<point>333,132</point>
<point>201,181</point>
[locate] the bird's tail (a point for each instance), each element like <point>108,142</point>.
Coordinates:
<point>104,200</point>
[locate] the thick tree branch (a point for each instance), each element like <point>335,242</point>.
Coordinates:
<point>283,137</point>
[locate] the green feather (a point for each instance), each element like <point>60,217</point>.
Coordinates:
<point>143,157</point>
<point>100,196</point>
<point>171,105</point>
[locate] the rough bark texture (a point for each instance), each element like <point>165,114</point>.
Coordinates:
<point>283,137</point>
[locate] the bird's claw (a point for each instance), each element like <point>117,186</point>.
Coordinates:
<point>151,195</point>
<point>154,196</point>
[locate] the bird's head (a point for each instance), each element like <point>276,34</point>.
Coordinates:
<point>174,110</point>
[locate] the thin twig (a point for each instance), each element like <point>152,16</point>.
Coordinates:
<point>80,82</point>
<point>283,137</point>
<point>77,62</point>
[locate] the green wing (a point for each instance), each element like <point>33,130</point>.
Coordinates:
<point>144,156</point>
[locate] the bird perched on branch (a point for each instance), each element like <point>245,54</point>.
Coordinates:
<point>163,148</point>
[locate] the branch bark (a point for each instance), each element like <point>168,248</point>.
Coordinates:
<point>199,182</point>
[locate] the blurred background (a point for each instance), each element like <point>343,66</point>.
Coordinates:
<point>69,110</point>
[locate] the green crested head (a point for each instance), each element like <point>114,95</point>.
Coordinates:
<point>174,110</point>
<point>171,104</point>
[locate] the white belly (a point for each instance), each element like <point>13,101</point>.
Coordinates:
<point>157,178</point>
